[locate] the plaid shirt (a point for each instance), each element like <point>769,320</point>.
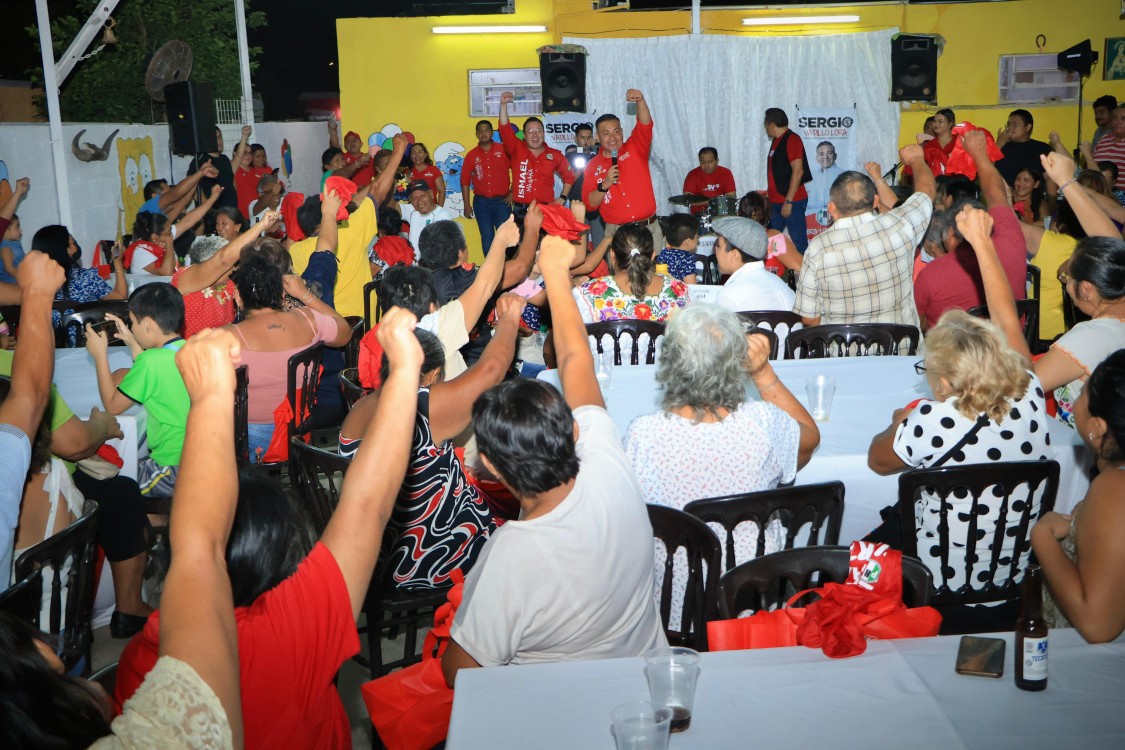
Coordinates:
<point>860,269</point>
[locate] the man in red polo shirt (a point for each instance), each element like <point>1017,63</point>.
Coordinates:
<point>353,152</point>
<point>953,279</point>
<point>709,179</point>
<point>617,182</point>
<point>534,164</point>
<point>787,171</point>
<point>486,172</point>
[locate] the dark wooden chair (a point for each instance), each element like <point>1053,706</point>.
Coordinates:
<point>990,575</point>
<point>349,383</point>
<point>80,315</point>
<point>1028,311</point>
<point>1034,281</point>
<point>790,278</point>
<point>1072,316</point>
<point>318,476</point>
<point>710,270</point>
<point>350,350</point>
<point>241,415</point>
<point>23,599</point>
<point>371,311</point>
<point>635,329</point>
<point>767,583</point>
<point>778,322</point>
<point>906,337</point>
<point>107,678</point>
<point>678,530</point>
<point>70,622</point>
<point>820,507</point>
<point>843,340</point>
<point>303,379</point>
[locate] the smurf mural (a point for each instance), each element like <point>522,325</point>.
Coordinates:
<point>448,157</point>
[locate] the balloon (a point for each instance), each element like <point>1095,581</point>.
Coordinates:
<point>380,139</point>
<point>409,137</point>
<point>495,137</point>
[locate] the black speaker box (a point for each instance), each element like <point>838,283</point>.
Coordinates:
<point>563,77</point>
<point>191,117</point>
<point>1078,59</point>
<point>913,68</point>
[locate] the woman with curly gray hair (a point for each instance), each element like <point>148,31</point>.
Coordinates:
<point>706,420</point>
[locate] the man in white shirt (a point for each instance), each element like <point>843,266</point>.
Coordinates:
<point>573,577</point>
<point>740,252</point>
<point>422,211</point>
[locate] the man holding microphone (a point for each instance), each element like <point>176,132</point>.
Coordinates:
<point>617,182</point>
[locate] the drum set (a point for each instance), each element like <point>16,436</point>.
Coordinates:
<point>713,208</point>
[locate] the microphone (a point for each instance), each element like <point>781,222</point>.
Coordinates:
<point>613,157</point>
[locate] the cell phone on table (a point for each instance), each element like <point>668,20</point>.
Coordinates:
<point>981,657</point>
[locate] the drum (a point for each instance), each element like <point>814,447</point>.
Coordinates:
<point>723,205</point>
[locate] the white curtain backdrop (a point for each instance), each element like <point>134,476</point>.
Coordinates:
<point>712,90</point>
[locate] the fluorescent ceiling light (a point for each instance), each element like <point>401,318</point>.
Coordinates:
<point>797,20</point>
<point>489,29</point>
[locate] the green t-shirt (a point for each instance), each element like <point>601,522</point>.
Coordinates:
<point>155,382</point>
<point>60,412</point>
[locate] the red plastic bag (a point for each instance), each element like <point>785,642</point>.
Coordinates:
<point>960,162</point>
<point>411,708</point>
<point>278,450</point>
<point>761,630</point>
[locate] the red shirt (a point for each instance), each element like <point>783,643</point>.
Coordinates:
<point>533,177</point>
<point>291,643</point>
<point>430,174</point>
<point>212,307</point>
<point>953,280</point>
<point>488,171</point>
<point>246,185</point>
<point>631,199</point>
<point>156,250</point>
<point>698,182</point>
<point>364,175</point>
<point>794,150</point>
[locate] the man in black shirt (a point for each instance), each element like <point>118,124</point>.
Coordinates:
<point>221,162</point>
<point>1020,150</point>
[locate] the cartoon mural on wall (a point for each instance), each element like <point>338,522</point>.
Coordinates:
<point>448,157</point>
<point>134,165</point>
<point>6,187</point>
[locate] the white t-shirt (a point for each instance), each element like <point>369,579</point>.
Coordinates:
<point>575,583</point>
<point>448,324</point>
<point>16,449</point>
<point>419,221</point>
<point>752,287</point>
<point>1088,343</point>
<point>931,430</point>
<point>677,461</point>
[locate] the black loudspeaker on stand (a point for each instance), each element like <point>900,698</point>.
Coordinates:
<point>563,77</point>
<point>914,68</point>
<point>191,117</point>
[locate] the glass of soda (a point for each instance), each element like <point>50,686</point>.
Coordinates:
<point>672,674</point>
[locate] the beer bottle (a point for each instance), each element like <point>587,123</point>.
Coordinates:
<point>1031,634</point>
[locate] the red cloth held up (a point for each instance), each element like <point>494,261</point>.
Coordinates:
<point>960,162</point>
<point>289,205</point>
<point>344,188</point>
<point>558,221</point>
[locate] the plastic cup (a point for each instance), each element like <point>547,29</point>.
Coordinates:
<point>642,725</point>
<point>603,370</point>
<point>820,391</point>
<point>672,674</point>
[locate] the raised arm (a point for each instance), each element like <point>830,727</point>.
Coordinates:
<point>194,216</point>
<point>887,197</point>
<point>385,182</point>
<point>634,96</point>
<point>33,365</point>
<point>505,98</point>
<point>773,391</point>
<point>992,186</point>
<point>174,199</point>
<point>333,133</point>
<point>975,226</point>
<point>202,275</point>
<point>489,274</point>
<point>914,157</point>
<point>97,343</point>
<point>1094,220</point>
<point>572,349</point>
<point>517,269</point>
<point>8,210</point>
<point>355,532</point>
<point>451,403</point>
<point>120,280</point>
<point>242,147</point>
<point>197,608</point>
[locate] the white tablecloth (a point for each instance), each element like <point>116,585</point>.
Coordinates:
<point>899,694</point>
<point>868,390</point>
<point>77,382</point>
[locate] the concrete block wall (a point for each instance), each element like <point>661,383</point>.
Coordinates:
<point>95,187</point>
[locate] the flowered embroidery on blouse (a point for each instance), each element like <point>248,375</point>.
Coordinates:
<point>609,302</point>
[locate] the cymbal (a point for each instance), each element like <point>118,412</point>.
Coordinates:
<point>687,199</point>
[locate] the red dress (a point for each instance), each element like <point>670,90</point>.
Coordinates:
<point>429,174</point>
<point>212,307</point>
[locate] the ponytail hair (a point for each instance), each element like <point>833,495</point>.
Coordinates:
<point>1105,391</point>
<point>148,224</point>
<point>633,252</point>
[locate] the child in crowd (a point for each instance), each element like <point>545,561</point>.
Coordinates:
<point>390,247</point>
<point>156,315</point>
<point>7,340</point>
<point>682,235</point>
<point>11,251</point>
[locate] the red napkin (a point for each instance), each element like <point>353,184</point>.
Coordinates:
<point>960,162</point>
<point>289,205</point>
<point>343,187</point>
<point>558,221</point>
<point>109,453</point>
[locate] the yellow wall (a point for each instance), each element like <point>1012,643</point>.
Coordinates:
<point>396,70</point>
